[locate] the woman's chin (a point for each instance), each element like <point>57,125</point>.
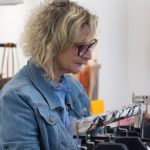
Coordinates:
<point>76,70</point>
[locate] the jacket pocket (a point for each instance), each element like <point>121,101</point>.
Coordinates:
<point>48,115</point>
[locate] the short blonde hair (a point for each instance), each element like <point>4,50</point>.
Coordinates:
<point>52,28</point>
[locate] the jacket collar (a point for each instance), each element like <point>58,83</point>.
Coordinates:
<point>40,82</point>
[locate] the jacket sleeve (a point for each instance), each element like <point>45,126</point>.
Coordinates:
<point>18,127</point>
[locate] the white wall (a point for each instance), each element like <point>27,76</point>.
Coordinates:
<point>123,49</point>
<point>139,46</point>
<point>113,53</point>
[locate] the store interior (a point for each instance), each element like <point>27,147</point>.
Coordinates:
<point>116,79</point>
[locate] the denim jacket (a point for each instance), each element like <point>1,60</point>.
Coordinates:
<point>30,112</point>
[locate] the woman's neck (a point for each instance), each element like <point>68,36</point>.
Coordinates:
<point>58,79</point>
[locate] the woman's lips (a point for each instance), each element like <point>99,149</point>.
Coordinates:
<point>80,64</point>
<point>83,62</point>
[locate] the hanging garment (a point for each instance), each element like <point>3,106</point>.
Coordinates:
<point>85,78</point>
<point>94,81</point>
<point>9,58</point>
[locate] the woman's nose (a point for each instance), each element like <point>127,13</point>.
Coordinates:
<point>88,55</point>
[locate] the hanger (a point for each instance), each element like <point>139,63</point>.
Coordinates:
<point>11,45</point>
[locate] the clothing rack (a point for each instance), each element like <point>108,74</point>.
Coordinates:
<point>113,138</point>
<point>112,142</point>
<point>90,123</point>
<point>9,63</point>
<point>11,45</point>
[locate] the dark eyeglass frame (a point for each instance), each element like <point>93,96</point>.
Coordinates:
<point>84,48</point>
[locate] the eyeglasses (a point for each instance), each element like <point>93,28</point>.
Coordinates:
<point>84,48</point>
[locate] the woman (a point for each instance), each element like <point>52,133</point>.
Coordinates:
<point>38,105</point>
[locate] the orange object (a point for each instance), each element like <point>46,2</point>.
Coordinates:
<point>97,106</point>
<point>85,77</point>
